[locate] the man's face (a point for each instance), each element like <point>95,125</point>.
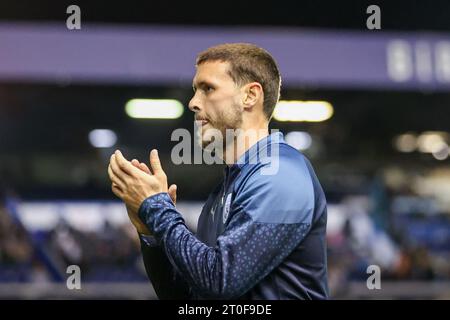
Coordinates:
<point>216,101</point>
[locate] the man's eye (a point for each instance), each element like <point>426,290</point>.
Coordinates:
<point>209,89</point>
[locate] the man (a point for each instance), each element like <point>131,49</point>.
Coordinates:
<point>261,233</point>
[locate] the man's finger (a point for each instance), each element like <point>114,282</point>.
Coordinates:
<point>123,163</point>
<point>116,190</point>
<point>113,184</point>
<point>114,178</point>
<point>173,193</point>
<point>155,163</point>
<point>118,172</point>
<point>144,168</point>
<point>135,163</point>
<point>140,165</point>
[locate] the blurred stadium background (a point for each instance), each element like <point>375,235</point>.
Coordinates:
<point>379,139</point>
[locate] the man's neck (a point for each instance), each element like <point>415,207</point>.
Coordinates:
<point>243,140</point>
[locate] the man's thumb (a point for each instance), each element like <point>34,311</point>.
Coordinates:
<point>155,163</point>
<point>173,193</point>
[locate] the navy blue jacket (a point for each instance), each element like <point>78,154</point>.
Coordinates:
<point>261,233</point>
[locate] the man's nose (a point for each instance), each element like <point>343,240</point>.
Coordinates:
<point>194,104</point>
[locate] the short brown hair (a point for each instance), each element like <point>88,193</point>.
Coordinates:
<point>248,63</point>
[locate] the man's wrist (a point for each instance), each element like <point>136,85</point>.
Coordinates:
<point>141,228</point>
<point>152,201</point>
<point>152,207</point>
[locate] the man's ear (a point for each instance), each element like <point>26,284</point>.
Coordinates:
<point>253,93</point>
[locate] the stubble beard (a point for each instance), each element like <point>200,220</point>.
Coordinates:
<point>231,121</point>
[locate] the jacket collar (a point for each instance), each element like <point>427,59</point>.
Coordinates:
<point>257,148</point>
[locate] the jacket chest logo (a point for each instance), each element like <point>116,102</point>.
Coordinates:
<point>226,208</point>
